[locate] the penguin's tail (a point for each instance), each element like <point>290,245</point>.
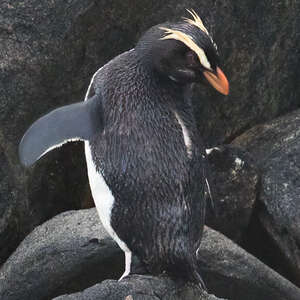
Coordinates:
<point>194,275</point>
<point>198,280</point>
<point>187,269</point>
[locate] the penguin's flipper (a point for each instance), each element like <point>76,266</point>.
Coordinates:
<point>79,121</point>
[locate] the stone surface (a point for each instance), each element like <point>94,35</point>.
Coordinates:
<point>233,181</point>
<point>259,45</point>
<point>231,272</point>
<point>36,64</point>
<point>50,49</point>
<point>275,146</point>
<point>71,252</point>
<point>8,212</point>
<point>66,254</point>
<point>137,287</point>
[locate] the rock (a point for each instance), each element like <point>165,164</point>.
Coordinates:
<point>66,254</point>
<point>233,179</point>
<point>36,75</point>
<point>71,252</point>
<point>275,146</point>
<point>138,287</point>
<point>231,272</point>
<point>50,49</point>
<point>255,39</point>
<point>8,214</point>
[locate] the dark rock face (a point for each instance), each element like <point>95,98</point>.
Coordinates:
<point>72,252</point>
<point>275,146</point>
<point>255,40</point>
<point>34,55</point>
<point>233,183</point>
<point>8,220</point>
<point>49,50</point>
<point>137,287</point>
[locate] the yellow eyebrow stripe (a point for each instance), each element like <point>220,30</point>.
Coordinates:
<point>198,23</point>
<point>188,41</point>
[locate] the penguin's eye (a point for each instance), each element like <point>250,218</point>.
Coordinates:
<point>192,59</point>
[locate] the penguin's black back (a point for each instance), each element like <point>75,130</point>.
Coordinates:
<point>159,203</point>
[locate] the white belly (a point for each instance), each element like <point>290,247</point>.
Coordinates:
<point>103,198</point>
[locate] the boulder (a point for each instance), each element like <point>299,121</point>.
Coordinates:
<point>35,77</point>
<point>139,287</point>
<point>66,254</point>
<point>8,219</point>
<point>233,180</point>
<point>72,252</point>
<point>257,42</point>
<point>275,146</point>
<point>231,272</point>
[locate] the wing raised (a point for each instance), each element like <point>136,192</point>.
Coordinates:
<point>78,121</point>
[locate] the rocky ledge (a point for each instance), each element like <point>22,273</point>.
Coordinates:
<point>72,252</point>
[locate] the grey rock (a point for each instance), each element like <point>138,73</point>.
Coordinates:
<point>34,42</point>
<point>275,146</point>
<point>231,272</point>
<point>8,213</point>
<point>233,181</point>
<point>68,253</point>
<point>141,287</point>
<point>50,49</point>
<point>255,39</point>
<point>72,252</point>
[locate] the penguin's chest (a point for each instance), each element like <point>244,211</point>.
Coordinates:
<point>133,168</point>
<point>147,159</point>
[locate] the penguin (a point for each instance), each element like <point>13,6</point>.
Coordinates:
<point>145,158</point>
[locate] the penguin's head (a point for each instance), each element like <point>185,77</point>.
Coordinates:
<point>183,52</point>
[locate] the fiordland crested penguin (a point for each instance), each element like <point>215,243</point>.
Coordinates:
<point>145,158</point>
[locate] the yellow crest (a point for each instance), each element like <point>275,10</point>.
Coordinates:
<point>197,21</point>
<point>188,41</point>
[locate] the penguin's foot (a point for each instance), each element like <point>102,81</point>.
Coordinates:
<point>128,256</point>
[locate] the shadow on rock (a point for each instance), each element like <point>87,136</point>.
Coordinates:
<point>275,146</point>
<point>233,180</point>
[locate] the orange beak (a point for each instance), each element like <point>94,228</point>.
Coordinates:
<point>219,81</point>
